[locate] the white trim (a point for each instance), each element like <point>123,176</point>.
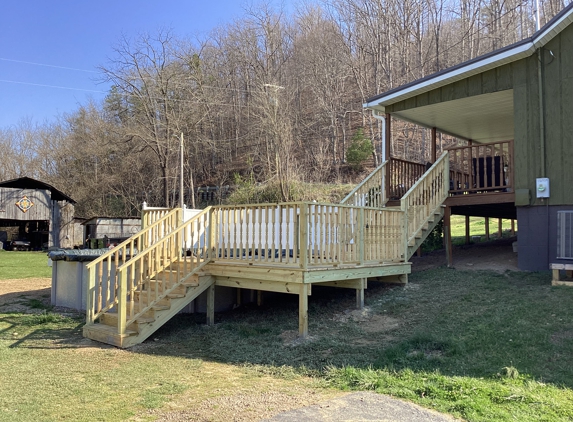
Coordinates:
<point>519,52</point>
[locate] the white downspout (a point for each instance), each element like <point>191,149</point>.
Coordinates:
<point>382,118</point>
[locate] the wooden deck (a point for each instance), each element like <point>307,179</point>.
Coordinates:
<point>286,248</point>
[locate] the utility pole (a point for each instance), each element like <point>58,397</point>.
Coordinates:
<point>181,191</point>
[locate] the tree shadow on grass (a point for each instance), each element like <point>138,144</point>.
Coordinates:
<point>43,330</point>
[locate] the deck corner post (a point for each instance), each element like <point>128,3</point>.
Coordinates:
<point>303,311</point>
<point>361,234</point>
<point>211,305</point>
<point>303,243</point>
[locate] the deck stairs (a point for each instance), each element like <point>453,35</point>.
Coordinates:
<point>424,209</point>
<point>142,283</point>
<point>131,298</point>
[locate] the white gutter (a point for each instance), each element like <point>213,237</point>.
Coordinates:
<point>517,53</point>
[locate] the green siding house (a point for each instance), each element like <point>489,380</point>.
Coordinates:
<point>521,95</point>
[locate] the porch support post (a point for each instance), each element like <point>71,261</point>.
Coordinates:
<point>512,227</point>
<point>434,146</point>
<point>486,228</point>
<point>499,228</point>
<point>467,229</point>
<point>303,311</point>
<point>388,140</point>
<point>448,235</point>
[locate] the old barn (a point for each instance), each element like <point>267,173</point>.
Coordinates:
<point>39,213</point>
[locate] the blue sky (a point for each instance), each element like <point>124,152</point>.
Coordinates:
<point>68,39</point>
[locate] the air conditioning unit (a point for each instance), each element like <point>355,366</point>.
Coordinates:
<point>565,234</point>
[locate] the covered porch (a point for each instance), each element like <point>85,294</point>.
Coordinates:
<point>481,172</point>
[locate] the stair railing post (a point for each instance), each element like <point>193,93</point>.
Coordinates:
<point>446,175</point>
<point>404,208</point>
<point>122,302</point>
<point>90,302</point>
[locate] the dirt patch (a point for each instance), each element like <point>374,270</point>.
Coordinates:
<point>369,322</point>
<point>246,406</point>
<point>17,295</point>
<point>558,338</point>
<point>494,255</point>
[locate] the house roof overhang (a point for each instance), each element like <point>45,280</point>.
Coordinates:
<point>486,117</point>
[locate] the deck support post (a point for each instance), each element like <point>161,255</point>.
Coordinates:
<point>512,227</point>
<point>360,294</point>
<point>303,311</point>
<point>499,228</point>
<point>448,235</point>
<point>259,298</point>
<point>211,305</point>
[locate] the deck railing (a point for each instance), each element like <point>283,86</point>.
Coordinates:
<point>103,281</point>
<point>370,192</point>
<point>425,197</point>
<point>481,168</point>
<point>402,176</point>
<point>306,234</point>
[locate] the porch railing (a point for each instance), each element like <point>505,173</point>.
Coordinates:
<point>481,168</point>
<point>402,176</point>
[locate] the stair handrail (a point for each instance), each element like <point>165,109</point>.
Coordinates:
<point>424,198</point>
<point>158,257</point>
<point>125,251</point>
<point>369,188</point>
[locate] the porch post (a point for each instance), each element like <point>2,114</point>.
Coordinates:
<point>486,228</point>
<point>388,140</point>
<point>433,158</point>
<point>448,235</point>
<point>467,229</point>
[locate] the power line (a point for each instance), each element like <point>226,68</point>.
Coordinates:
<point>47,65</point>
<point>125,95</point>
<point>53,86</point>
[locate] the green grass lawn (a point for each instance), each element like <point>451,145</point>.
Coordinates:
<point>477,227</point>
<point>481,346</point>
<point>23,265</point>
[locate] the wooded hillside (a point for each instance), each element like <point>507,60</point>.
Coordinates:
<point>269,98</point>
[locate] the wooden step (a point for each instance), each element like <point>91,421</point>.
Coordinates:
<point>110,318</point>
<point>107,334</point>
